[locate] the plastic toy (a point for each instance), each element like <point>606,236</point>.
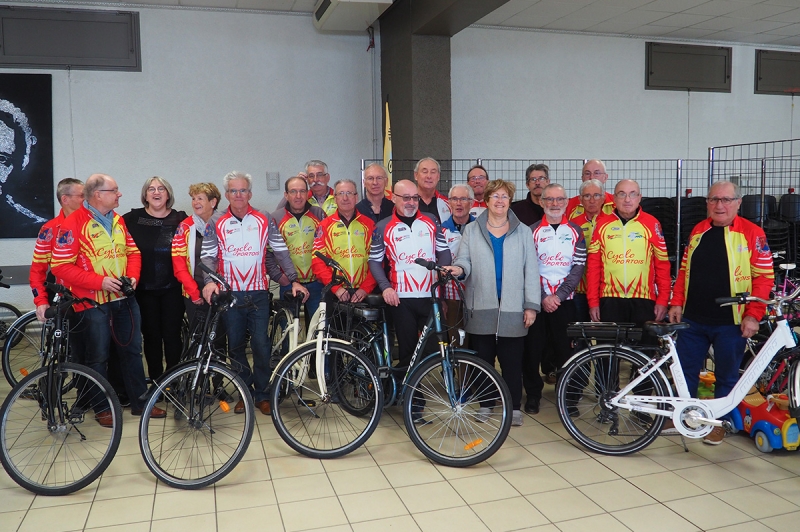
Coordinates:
<point>767,421</point>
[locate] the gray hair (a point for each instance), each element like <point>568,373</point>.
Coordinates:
<point>552,186</point>
<point>21,121</point>
<point>598,161</point>
<point>438,168</point>
<point>316,162</point>
<point>470,192</point>
<point>230,176</point>
<point>591,182</point>
<point>93,184</point>
<point>346,182</point>
<point>378,165</point>
<point>65,186</point>
<point>161,180</point>
<point>737,192</point>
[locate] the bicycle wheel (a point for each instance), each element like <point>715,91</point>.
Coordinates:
<point>279,336</point>
<point>324,426</point>
<point>589,381</point>
<point>8,315</point>
<point>464,434</point>
<point>201,439</point>
<point>71,452</point>
<point>22,351</point>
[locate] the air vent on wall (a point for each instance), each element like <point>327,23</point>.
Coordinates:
<point>348,15</point>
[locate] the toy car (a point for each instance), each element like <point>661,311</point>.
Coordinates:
<point>767,421</point>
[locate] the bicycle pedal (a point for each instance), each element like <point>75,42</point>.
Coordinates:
<point>307,402</point>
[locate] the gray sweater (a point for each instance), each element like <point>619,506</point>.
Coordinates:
<point>521,287</point>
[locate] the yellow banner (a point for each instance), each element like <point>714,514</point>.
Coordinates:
<point>387,153</point>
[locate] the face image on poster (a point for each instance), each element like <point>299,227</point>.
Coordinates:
<point>26,154</point>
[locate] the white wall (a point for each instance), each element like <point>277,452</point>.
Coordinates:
<point>526,94</point>
<point>218,91</point>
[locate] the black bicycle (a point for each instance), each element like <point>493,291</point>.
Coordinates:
<point>201,439</point>
<point>50,442</point>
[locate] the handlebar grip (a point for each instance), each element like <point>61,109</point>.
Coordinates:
<point>324,258</point>
<point>50,313</point>
<point>214,275</point>
<point>430,265</point>
<point>55,287</point>
<point>739,299</point>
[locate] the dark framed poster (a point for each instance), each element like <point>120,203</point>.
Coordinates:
<point>26,154</point>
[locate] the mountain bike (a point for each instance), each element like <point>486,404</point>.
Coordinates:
<point>201,439</point>
<point>326,396</point>
<point>48,442</point>
<point>608,415</point>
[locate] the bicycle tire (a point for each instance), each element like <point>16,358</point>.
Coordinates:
<point>8,315</point>
<point>457,436</point>
<point>314,425</point>
<point>22,350</point>
<point>201,439</point>
<point>73,453</point>
<point>588,380</point>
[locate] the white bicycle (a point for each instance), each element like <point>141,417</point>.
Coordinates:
<point>613,399</point>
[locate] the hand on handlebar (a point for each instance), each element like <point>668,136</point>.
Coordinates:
<point>675,314</point>
<point>299,289</point>
<point>358,296</point>
<point>209,290</point>
<point>456,271</point>
<point>40,309</point>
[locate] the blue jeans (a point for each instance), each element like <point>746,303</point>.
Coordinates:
<point>251,313</point>
<point>692,346</point>
<point>120,321</point>
<point>314,297</point>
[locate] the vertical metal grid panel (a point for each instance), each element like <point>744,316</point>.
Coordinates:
<point>746,164</point>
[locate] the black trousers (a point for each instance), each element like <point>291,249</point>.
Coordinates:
<point>409,318</point>
<point>509,352</point>
<point>549,329</point>
<point>628,310</point>
<point>162,318</point>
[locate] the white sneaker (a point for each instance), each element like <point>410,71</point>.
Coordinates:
<point>516,418</point>
<point>483,414</point>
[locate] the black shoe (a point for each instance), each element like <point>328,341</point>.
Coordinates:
<point>123,400</point>
<point>532,406</point>
<point>572,411</point>
<point>642,418</point>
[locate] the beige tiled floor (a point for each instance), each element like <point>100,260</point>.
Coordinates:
<point>538,481</point>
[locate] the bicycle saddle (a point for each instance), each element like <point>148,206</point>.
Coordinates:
<point>374,300</point>
<point>662,329</point>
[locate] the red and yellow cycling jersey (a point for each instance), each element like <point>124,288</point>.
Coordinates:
<point>85,253</point>
<point>347,244</point>
<point>575,208</point>
<point>328,205</point>
<point>749,264</point>
<point>42,252</point>
<point>299,237</point>
<point>628,260</point>
<point>587,225</point>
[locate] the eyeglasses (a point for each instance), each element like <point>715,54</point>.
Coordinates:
<point>596,173</point>
<point>460,200</point>
<point>622,195</point>
<point>318,175</point>
<point>538,179</point>
<point>239,191</point>
<point>372,179</point>
<point>295,192</point>
<point>114,190</point>
<point>588,197</point>
<point>407,198</point>
<point>725,201</point>
<point>346,194</point>
<point>554,200</point>
<point>153,190</point>
<point>478,178</point>
<point>498,197</point>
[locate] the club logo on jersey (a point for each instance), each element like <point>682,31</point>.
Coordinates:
<point>424,233</point>
<point>307,229</point>
<point>65,239</point>
<point>401,238</point>
<point>761,245</point>
<point>659,234</point>
<point>616,228</point>
<point>633,235</point>
<point>46,235</point>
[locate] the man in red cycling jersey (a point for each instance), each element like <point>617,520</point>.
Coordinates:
<point>345,236</point>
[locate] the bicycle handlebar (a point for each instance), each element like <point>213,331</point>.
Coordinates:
<point>745,297</point>
<point>339,275</point>
<point>445,276</point>
<point>67,300</point>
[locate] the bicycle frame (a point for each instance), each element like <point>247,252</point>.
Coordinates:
<point>702,412</point>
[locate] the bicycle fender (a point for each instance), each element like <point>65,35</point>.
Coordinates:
<point>305,344</point>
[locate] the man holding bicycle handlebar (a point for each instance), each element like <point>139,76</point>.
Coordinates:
<point>726,255</point>
<point>244,236</point>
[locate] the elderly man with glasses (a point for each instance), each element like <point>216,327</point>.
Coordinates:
<point>319,193</point>
<point>593,170</point>
<point>461,198</point>
<point>477,178</point>
<point>244,235</point>
<point>726,255</point>
<point>375,204</point>
<point>407,235</point>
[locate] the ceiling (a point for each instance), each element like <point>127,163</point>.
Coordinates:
<point>774,22</point>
